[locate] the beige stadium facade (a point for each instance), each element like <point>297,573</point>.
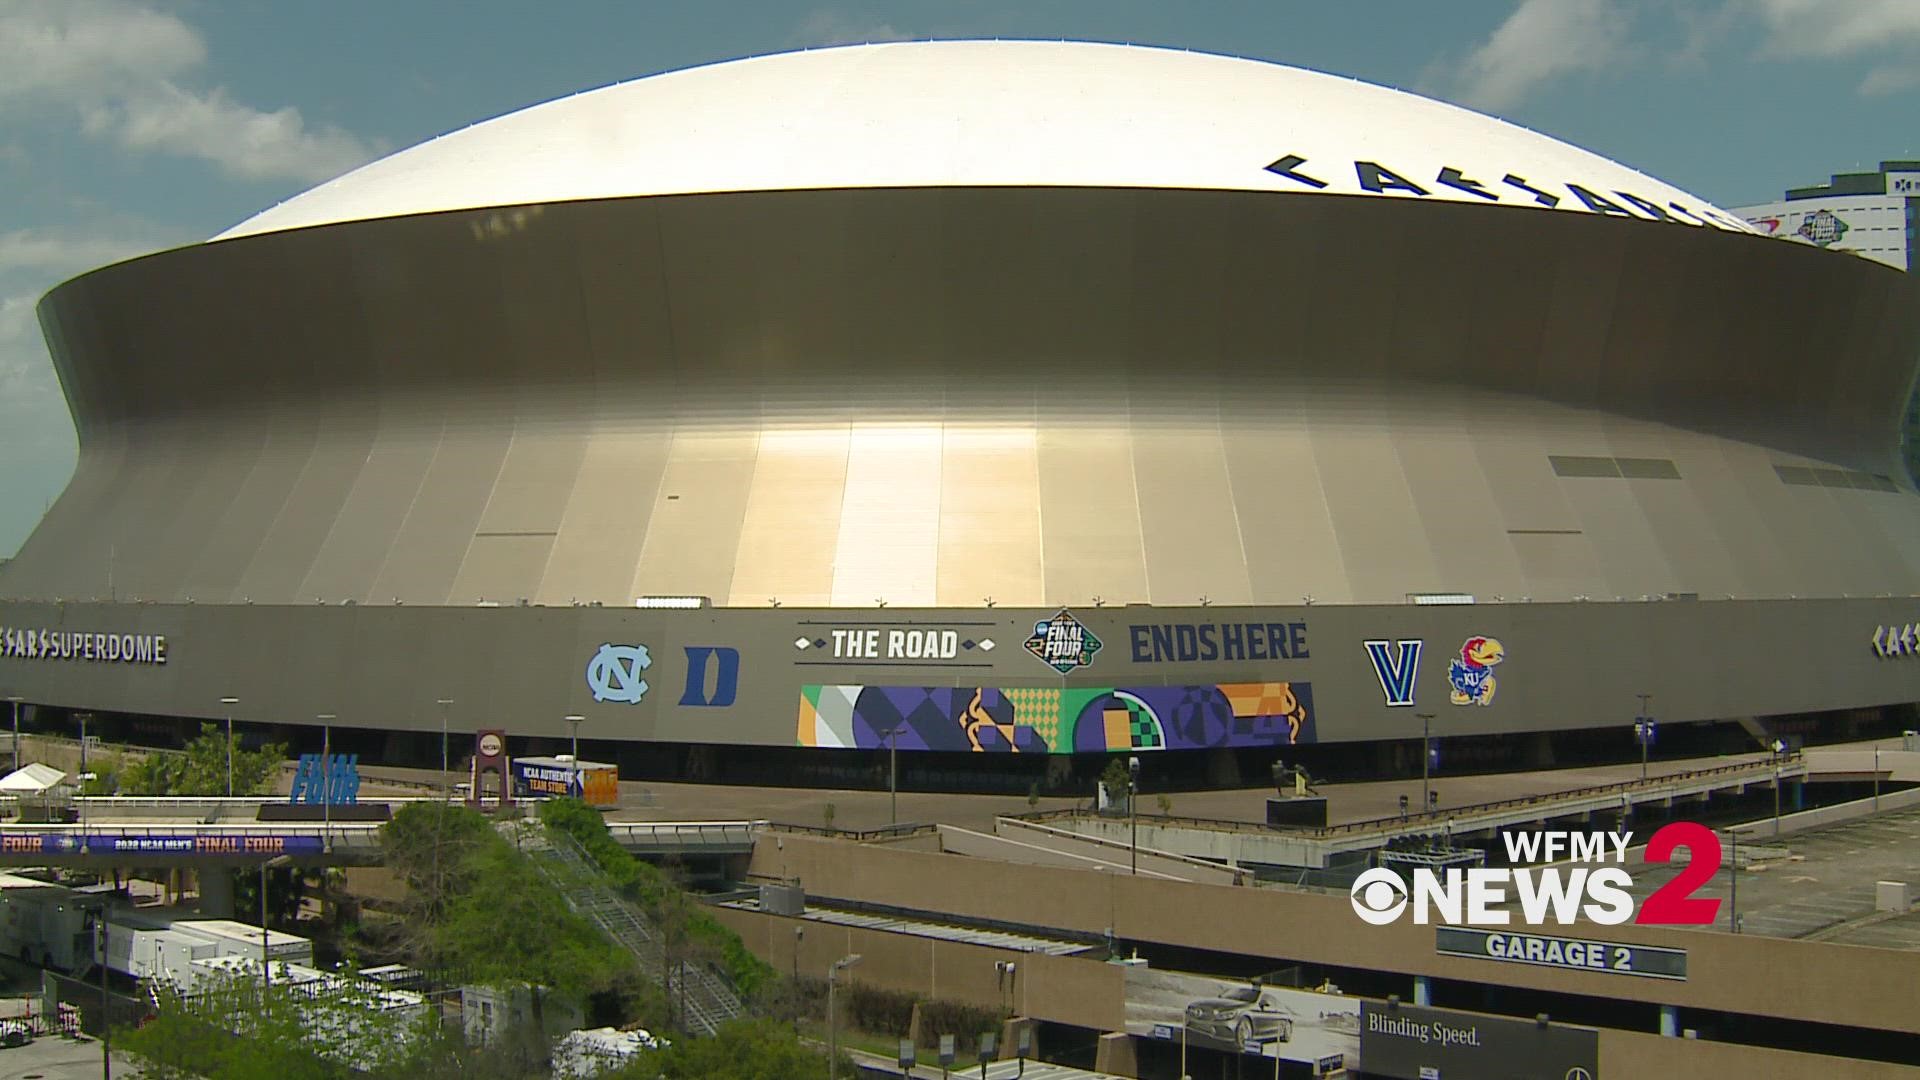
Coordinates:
<point>1046,469</point>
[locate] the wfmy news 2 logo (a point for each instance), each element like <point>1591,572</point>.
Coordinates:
<point>1595,888</point>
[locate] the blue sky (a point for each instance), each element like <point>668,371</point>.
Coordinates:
<point>130,126</point>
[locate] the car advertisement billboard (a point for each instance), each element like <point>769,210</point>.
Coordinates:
<point>1408,1042</point>
<point>1305,1026</point>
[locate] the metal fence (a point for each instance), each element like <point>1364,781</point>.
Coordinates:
<point>1759,769</point>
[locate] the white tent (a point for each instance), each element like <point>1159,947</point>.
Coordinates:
<point>34,779</point>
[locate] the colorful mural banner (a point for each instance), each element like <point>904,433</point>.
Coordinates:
<point>81,843</point>
<point>1057,720</point>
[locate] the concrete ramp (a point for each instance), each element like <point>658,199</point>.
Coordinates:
<point>1041,845</point>
<point>1859,764</point>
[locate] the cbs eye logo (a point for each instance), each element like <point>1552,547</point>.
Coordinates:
<point>1378,896</point>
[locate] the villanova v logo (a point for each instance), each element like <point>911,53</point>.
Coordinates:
<point>1396,673</point>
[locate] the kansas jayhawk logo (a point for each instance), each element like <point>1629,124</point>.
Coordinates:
<point>1471,673</point>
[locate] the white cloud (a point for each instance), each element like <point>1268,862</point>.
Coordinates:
<point>56,256</point>
<point>88,47</point>
<point>1543,40</point>
<point>1826,30</point>
<point>1891,79</point>
<point>242,140</point>
<point>1835,29</point>
<point>119,65</point>
<point>825,26</point>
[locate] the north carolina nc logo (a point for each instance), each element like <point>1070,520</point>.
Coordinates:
<point>614,673</point>
<point>1471,674</point>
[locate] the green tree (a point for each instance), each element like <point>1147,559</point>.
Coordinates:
<point>1116,778</point>
<point>689,927</point>
<point>478,909</point>
<point>237,1029</point>
<point>202,768</point>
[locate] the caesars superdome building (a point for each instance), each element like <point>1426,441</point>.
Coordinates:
<point>1008,398</point>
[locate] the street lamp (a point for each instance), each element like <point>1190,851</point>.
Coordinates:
<point>1426,759</point>
<point>83,718</point>
<point>833,1019</point>
<point>1779,749</point>
<point>266,960</point>
<point>326,778</point>
<point>1643,731</point>
<point>893,771</point>
<point>100,961</point>
<point>14,700</point>
<point>573,781</point>
<point>1133,810</point>
<point>446,775</point>
<point>229,702</point>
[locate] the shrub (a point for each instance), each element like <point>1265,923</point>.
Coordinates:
<point>881,1012</point>
<point>964,1022</point>
<point>653,890</point>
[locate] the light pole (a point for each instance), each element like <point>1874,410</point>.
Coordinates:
<point>893,772</point>
<point>83,718</point>
<point>14,700</point>
<point>1426,759</point>
<point>1133,810</point>
<point>1876,777</point>
<point>106,1024</point>
<point>1733,881</point>
<point>326,778</point>
<point>573,781</point>
<point>266,962</point>
<point>1643,730</point>
<point>833,1018</point>
<point>229,703</point>
<point>446,775</point>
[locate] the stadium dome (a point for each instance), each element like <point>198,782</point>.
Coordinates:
<point>988,113</point>
<point>1034,396</point>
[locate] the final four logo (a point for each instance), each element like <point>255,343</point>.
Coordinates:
<point>1063,643</point>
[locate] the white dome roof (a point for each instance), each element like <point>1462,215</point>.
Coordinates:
<point>988,114</point>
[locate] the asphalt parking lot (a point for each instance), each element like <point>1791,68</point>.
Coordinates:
<point>51,1057</point>
<point>1818,884</point>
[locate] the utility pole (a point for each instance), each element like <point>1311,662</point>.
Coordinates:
<point>229,703</point>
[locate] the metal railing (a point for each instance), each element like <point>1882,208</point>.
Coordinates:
<point>884,832</point>
<point>705,998</point>
<point>685,834</point>
<point>1762,769</point>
